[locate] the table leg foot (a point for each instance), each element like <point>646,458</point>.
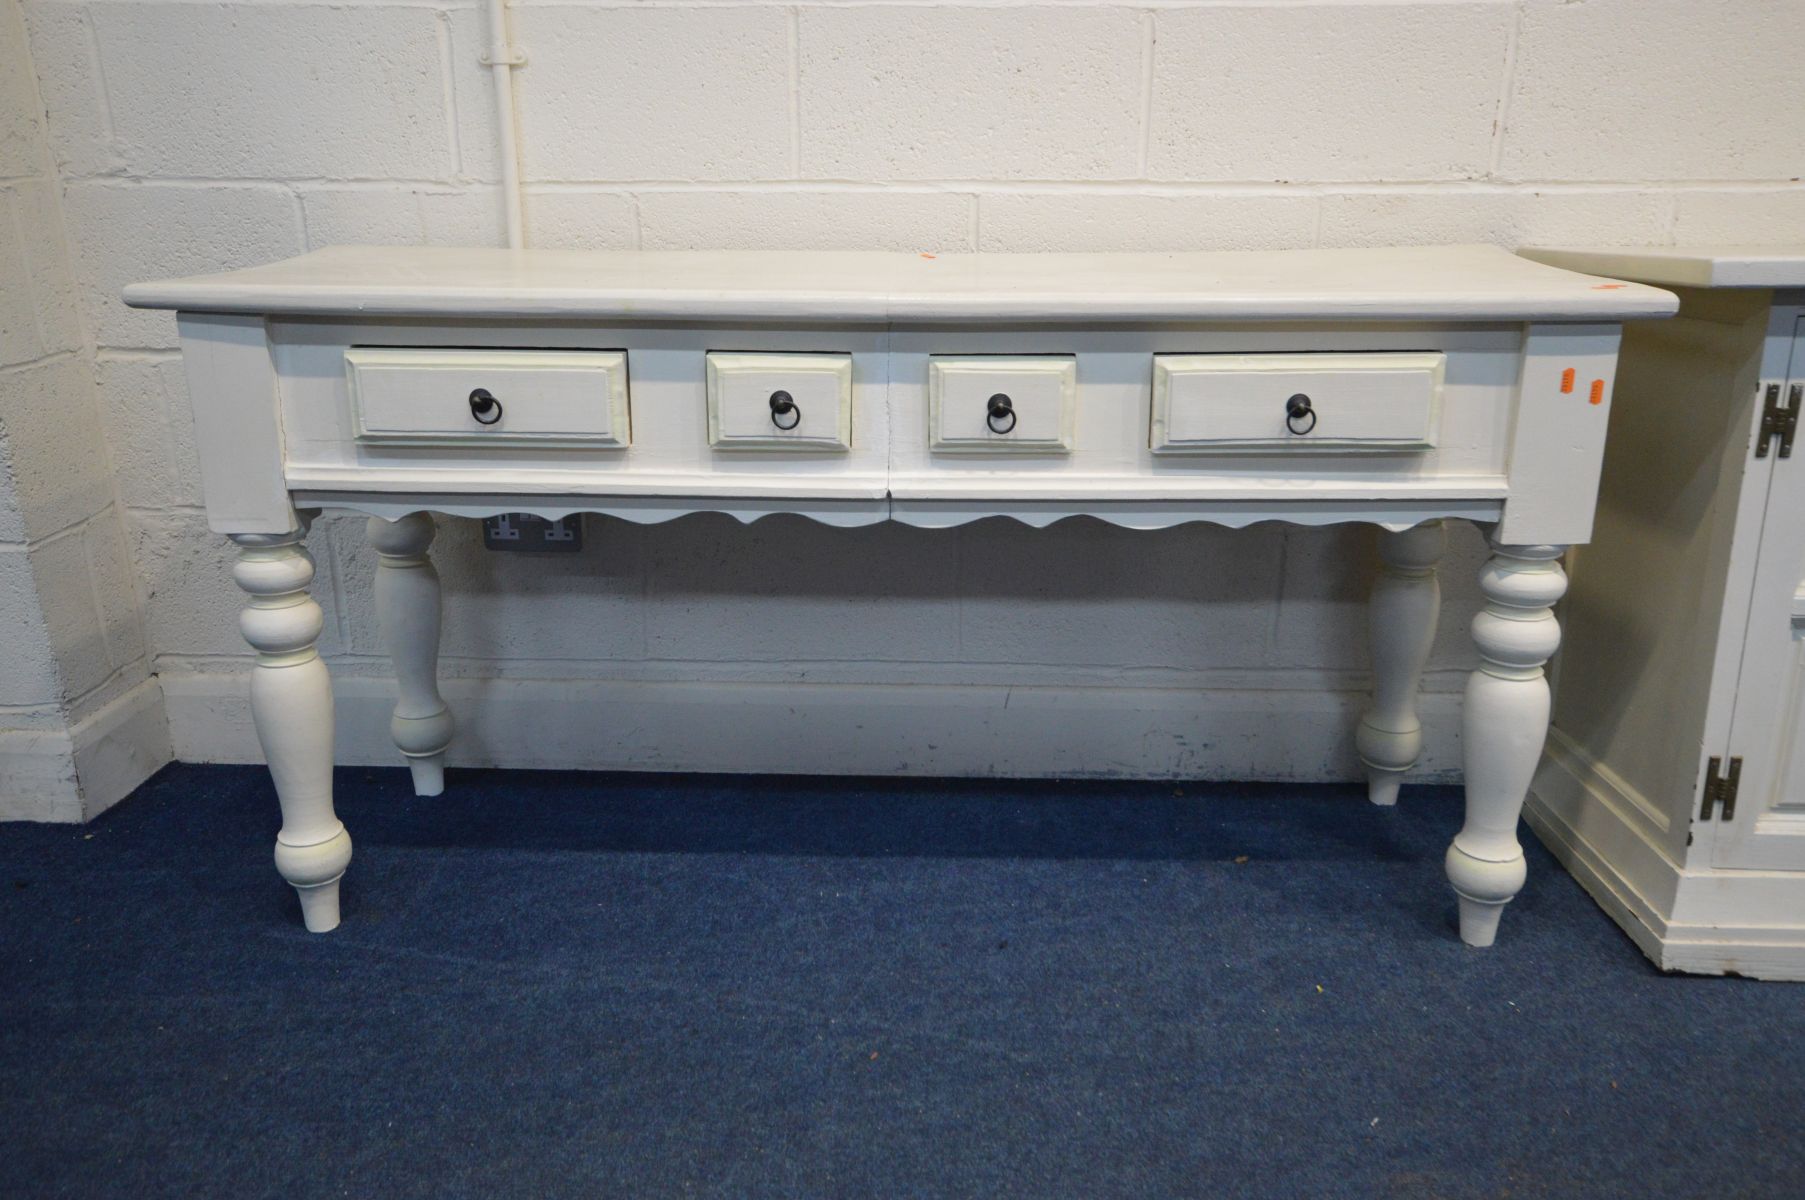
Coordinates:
<point>429,774</point>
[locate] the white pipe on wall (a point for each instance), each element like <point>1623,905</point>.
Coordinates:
<point>501,61</point>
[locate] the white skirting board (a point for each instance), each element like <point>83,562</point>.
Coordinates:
<point>76,772</point>
<point>843,729</point>
<point>1706,922</point>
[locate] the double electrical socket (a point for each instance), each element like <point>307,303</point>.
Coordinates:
<point>522,531</point>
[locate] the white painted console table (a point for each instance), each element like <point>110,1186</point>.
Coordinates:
<point>1395,387</point>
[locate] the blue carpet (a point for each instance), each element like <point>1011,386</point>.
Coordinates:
<point>554,984</point>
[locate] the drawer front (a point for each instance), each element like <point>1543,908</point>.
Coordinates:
<point>535,397</point>
<point>988,404</point>
<point>1382,401</point>
<point>779,401</point>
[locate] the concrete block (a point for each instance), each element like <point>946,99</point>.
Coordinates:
<point>23,150</point>
<point>63,50</point>
<point>887,220</point>
<point>128,233</point>
<point>12,521</point>
<point>565,220</point>
<point>66,594</point>
<point>402,216</point>
<point>1657,89</point>
<point>191,604</point>
<point>473,92</point>
<point>48,276</point>
<point>1101,221</point>
<point>1746,218</point>
<point>1326,92</point>
<point>1083,593</point>
<point>19,339</point>
<point>37,296</point>
<point>115,589</point>
<point>785,589</point>
<point>287,91</point>
<point>185,572</point>
<point>1504,218</point>
<point>55,444</point>
<point>1328,577</point>
<point>547,608</point>
<point>921,92</point>
<point>654,93</point>
<point>150,430</point>
<point>28,674</point>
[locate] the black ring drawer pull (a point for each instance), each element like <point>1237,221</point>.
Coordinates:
<point>1000,414</point>
<point>484,407</point>
<point>1298,411</point>
<point>784,405</point>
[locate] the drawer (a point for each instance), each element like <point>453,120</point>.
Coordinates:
<point>534,397</point>
<point>1380,401</point>
<point>779,401</point>
<point>989,404</point>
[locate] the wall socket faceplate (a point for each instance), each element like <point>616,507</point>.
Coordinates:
<point>522,531</point>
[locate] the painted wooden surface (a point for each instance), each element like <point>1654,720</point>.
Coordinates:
<point>407,605</point>
<point>898,365</point>
<point>1717,266</point>
<point>1683,649</point>
<point>570,397</point>
<point>238,428</point>
<point>1504,722</point>
<point>1468,283</point>
<point>1767,730</point>
<point>1405,607</point>
<point>1204,403</point>
<point>291,702</point>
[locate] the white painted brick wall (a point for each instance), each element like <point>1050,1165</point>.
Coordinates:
<point>189,137</point>
<point>581,219</point>
<point>1326,92</point>
<point>359,90</point>
<point>1641,89</point>
<point>74,662</point>
<point>655,93</point>
<point>1131,220</point>
<point>970,93</point>
<point>128,231</point>
<point>843,220</point>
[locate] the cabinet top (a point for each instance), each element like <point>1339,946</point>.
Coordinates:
<point>1684,266</point>
<point>1466,283</point>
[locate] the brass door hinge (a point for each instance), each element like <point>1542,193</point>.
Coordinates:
<point>1720,790</point>
<point>1779,421</point>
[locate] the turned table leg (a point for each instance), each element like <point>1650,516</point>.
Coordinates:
<point>1505,724</point>
<point>1401,620</point>
<point>407,604</point>
<point>291,704</point>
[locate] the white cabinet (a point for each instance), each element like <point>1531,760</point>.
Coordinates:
<point>1674,782</point>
